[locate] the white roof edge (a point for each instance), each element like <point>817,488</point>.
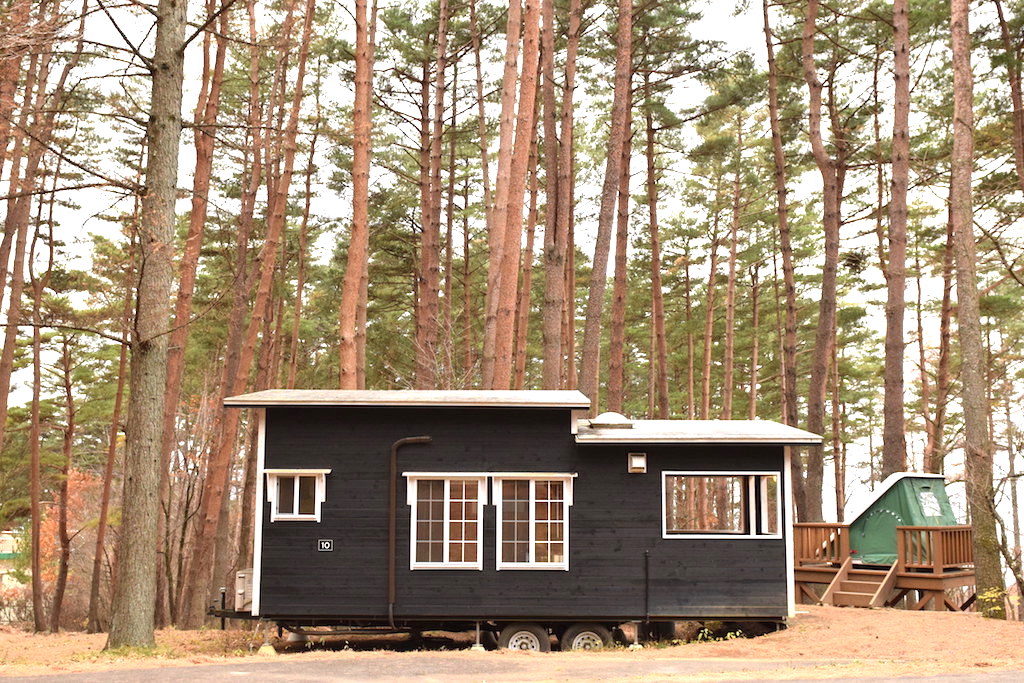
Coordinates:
<point>462,398</point>
<point>887,484</point>
<point>700,431</point>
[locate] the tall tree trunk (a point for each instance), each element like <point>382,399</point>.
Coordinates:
<point>617,339</point>
<point>591,359</point>
<point>523,301</point>
<point>35,439</point>
<point>204,129</point>
<point>498,215</point>
<point>838,454</point>
<point>977,446</point>
<point>359,240</point>
<point>364,277</point>
<point>243,542</point>
<point>501,375</point>
<point>554,253</point>
<point>253,171</point>
<point>691,389</point>
<point>133,601</point>
<point>894,440</point>
<point>67,365</point>
<point>789,360</point>
<point>922,357</point>
<point>430,243</point>
<point>709,316</point>
<point>569,313</point>
<point>730,290</point>
<point>475,39</point>
<point>827,305</point>
<point>934,449</point>
<point>93,624</point>
<point>19,208</point>
<point>300,277</point>
<point>10,72</point>
<point>449,245</point>
<point>199,568</point>
<point>560,338</point>
<point>755,337</point>
<point>1011,480</point>
<point>660,356</point>
<point>1013,67</point>
<point>467,294</point>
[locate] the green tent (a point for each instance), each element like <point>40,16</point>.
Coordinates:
<point>903,499</point>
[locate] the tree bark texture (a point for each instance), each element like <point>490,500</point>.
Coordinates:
<point>513,232</point>
<point>359,239</point>
<point>1013,76</point>
<point>789,364</point>
<point>977,444</point>
<point>894,440</point>
<point>523,301</point>
<point>554,254</point>
<point>660,356</point>
<point>430,242</point>
<point>199,568</point>
<point>133,601</point>
<point>590,362</point>
<point>498,215</point>
<point>827,305</point>
<point>729,356</point>
<point>617,337</point>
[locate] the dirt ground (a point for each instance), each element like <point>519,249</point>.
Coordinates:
<point>843,642</point>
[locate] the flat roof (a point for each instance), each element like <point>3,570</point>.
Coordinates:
<point>697,431</point>
<point>411,397</point>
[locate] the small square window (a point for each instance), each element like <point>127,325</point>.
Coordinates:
<point>296,495</point>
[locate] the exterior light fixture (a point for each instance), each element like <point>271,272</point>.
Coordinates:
<point>636,463</point>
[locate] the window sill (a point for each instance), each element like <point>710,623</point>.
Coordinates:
<point>442,565</point>
<point>553,566</point>
<point>294,518</point>
<point>700,536</point>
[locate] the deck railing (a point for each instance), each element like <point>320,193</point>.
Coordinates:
<point>934,548</point>
<point>821,543</point>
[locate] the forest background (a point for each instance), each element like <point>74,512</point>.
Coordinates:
<point>823,230</point>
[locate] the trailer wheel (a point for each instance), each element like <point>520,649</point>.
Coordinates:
<point>524,637</point>
<point>586,637</point>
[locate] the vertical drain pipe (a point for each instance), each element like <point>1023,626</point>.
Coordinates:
<point>647,591</point>
<point>393,515</point>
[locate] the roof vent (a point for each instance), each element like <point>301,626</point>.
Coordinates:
<point>611,421</point>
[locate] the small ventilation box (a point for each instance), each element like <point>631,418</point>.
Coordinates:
<point>243,590</point>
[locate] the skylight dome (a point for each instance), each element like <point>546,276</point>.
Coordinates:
<point>611,421</point>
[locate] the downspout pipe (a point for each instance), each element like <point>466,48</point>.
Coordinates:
<point>393,517</point>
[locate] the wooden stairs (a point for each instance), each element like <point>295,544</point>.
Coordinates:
<point>860,586</point>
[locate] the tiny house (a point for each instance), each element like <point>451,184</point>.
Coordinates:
<point>510,511</point>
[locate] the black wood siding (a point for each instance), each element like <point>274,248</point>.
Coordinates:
<point>615,519</point>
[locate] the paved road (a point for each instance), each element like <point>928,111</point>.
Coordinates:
<point>463,667</point>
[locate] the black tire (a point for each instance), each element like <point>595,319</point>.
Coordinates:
<point>586,637</point>
<point>524,636</point>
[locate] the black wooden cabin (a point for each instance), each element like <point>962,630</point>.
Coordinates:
<point>419,508</point>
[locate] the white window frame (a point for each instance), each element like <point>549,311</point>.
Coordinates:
<point>533,478</point>
<point>757,514</point>
<point>412,488</point>
<point>273,475</point>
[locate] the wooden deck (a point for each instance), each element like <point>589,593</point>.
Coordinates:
<point>929,562</point>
